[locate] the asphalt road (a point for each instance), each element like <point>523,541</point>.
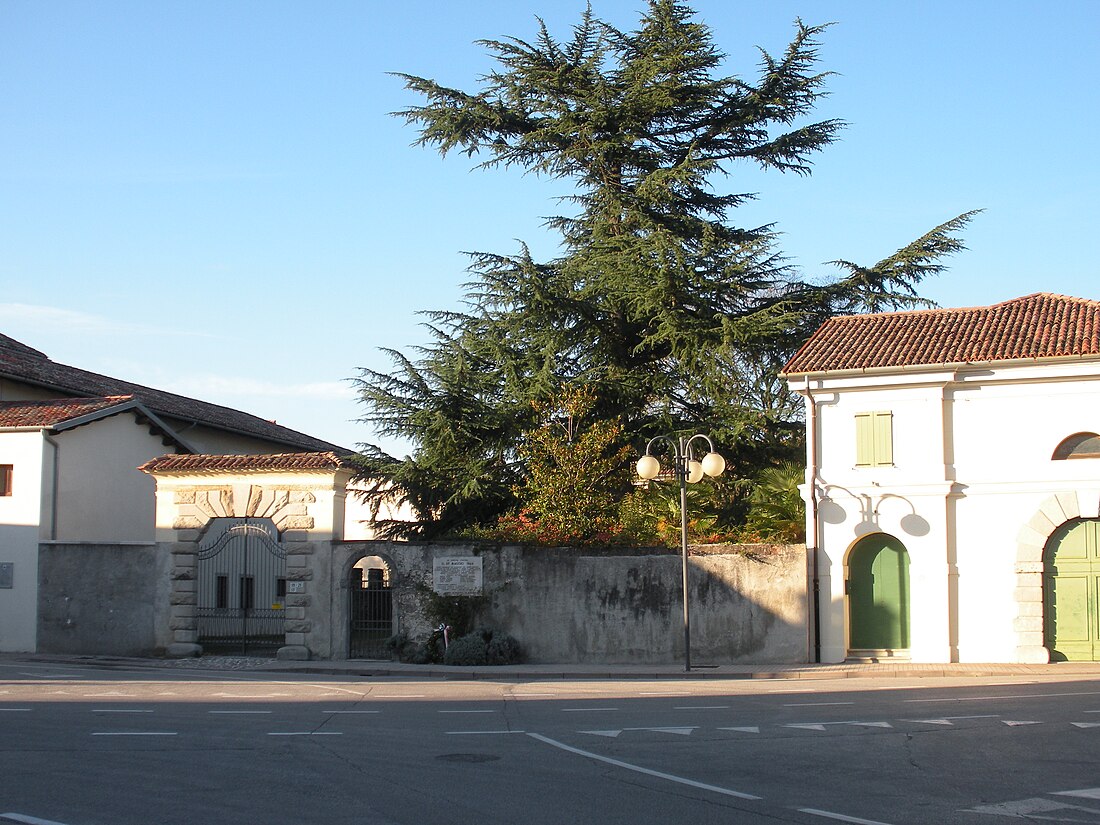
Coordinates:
<point>83,746</point>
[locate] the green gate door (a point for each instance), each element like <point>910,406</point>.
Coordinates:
<point>1071,592</point>
<point>878,594</point>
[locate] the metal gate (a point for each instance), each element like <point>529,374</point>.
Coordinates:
<point>370,610</point>
<point>242,590</point>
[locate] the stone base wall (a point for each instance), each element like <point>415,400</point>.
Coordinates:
<point>618,605</point>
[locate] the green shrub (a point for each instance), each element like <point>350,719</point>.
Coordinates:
<point>467,650</point>
<point>504,650</point>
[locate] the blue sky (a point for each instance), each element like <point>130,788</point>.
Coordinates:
<point>211,197</point>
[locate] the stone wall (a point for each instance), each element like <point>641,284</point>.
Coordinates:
<point>106,599</point>
<point>618,605</point>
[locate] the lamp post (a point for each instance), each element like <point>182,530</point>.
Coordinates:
<point>687,470</point>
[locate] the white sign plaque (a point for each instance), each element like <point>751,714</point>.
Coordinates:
<point>458,576</point>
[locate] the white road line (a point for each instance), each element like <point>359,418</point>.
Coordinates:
<point>119,710</point>
<point>135,733</point>
<point>29,820</point>
<point>305,733</point>
<point>815,704</point>
<point>493,710</point>
<point>702,707</point>
<point>15,710</point>
<point>1084,793</point>
<point>638,769</point>
<point>351,711</point>
<point>841,817</point>
<point>584,710</point>
<point>240,712</point>
<point>480,732</point>
<point>996,698</point>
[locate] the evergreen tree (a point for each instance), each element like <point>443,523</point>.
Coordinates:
<point>669,314</point>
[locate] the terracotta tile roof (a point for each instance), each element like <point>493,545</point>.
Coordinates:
<point>188,464</point>
<point>27,365</point>
<point>54,411</point>
<point>1035,326</point>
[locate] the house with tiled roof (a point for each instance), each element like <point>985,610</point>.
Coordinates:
<point>71,445</point>
<point>953,482</point>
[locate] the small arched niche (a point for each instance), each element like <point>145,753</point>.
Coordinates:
<point>1078,445</point>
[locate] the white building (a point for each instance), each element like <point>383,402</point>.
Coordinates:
<point>71,442</point>
<point>953,482</point>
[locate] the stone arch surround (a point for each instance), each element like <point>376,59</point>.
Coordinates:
<point>1030,544</point>
<point>301,494</point>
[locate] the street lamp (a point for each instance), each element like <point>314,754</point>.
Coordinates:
<point>687,470</point>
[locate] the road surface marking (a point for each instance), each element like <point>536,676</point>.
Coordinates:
<point>746,729</point>
<point>815,704</point>
<point>15,710</point>
<point>1084,793</point>
<point>950,720</point>
<point>479,732</point>
<point>841,817</point>
<point>1017,724</point>
<point>305,733</point>
<point>820,726</point>
<point>351,711</point>
<point>239,712</point>
<point>637,768</point>
<point>702,707</point>
<point>119,710</point>
<point>29,820</point>
<point>584,710</point>
<point>136,733</point>
<point>1086,724</point>
<point>996,698</point>
<point>492,710</point>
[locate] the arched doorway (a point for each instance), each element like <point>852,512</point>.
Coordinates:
<point>1071,590</point>
<point>878,596</point>
<point>370,609</point>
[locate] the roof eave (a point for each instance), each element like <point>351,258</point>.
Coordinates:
<point>951,366</point>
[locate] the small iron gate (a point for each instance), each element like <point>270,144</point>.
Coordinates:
<point>242,590</point>
<point>371,614</point>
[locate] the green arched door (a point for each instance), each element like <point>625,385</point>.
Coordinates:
<point>1071,592</point>
<point>878,594</point>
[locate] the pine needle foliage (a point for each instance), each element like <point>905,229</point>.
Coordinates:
<point>673,316</point>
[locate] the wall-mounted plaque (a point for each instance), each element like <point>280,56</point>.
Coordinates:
<point>458,576</point>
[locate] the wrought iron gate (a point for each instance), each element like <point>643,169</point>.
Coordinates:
<point>242,590</point>
<point>371,614</point>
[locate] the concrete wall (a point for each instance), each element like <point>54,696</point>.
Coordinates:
<point>611,605</point>
<point>102,598</point>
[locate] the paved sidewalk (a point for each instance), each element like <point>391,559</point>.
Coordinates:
<point>361,668</point>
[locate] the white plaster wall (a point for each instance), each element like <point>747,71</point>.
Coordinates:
<point>102,496</point>
<point>21,516</point>
<point>358,521</point>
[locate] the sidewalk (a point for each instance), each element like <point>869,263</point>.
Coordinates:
<point>535,672</point>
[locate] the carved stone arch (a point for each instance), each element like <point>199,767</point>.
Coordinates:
<point>1031,541</point>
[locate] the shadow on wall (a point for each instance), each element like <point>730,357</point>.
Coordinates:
<point>624,605</point>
